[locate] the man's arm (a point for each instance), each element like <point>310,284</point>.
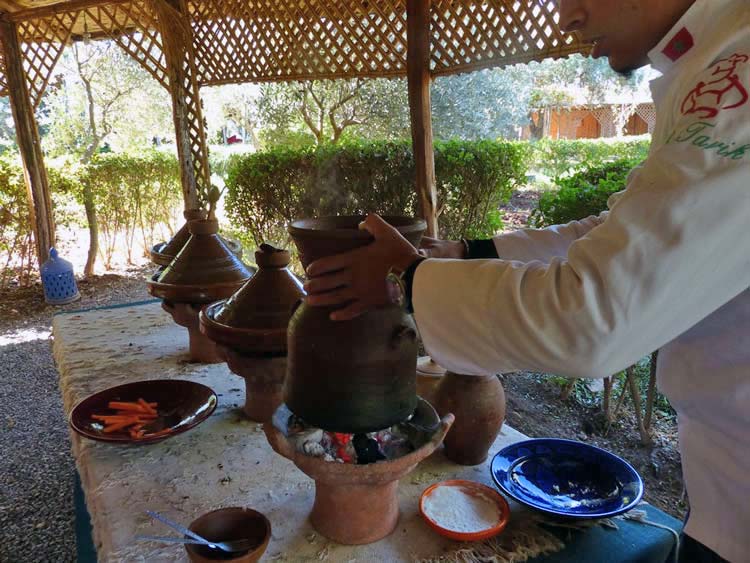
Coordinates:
<point>673,249</point>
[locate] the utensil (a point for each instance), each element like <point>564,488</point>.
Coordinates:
<point>228,546</point>
<point>567,478</point>
<point>182,405</point>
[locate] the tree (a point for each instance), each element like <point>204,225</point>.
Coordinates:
<point>102,95</point>
<point>314,112</point>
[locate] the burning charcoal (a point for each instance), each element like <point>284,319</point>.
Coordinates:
<point>368,449</point>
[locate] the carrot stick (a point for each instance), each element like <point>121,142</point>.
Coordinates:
<point>126,406</point>
<point>117,426</point>
<point>148,408</point>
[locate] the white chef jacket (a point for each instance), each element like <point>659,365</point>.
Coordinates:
<point>667,267</point>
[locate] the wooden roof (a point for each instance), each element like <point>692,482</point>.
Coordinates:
<point>238,41</point>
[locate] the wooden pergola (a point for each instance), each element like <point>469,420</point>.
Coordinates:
<point>186,44</point>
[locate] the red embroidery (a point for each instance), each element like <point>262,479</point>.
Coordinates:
<point>681,43</point>
<point>726,91</point>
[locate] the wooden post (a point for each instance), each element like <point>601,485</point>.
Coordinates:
<point>418,76</point>
<point>192,148</point>
<point>29,143</point>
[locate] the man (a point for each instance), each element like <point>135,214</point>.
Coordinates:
<point>667,267</point>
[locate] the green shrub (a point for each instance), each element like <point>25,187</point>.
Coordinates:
<point>582,194</point>
<point>134,195</point>
<point>269,189</point>
<point>559,157</point>
<point>17,248</point>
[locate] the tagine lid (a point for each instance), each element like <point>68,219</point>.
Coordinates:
<point>203,271</point>
<point>325,236</point>
<point>255,318</point>
<point>164,252</point>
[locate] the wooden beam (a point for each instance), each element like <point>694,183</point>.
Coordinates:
<point>192,150</point>
<point>420,108</point>
<point>29,143</point>
<point>58,8</point>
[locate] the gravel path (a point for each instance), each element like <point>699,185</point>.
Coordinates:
<point>36,466</point>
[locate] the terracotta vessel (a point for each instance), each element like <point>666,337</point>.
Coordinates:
<point>250,329</point>
<point>363,368</point>
<point>429,375</point>
<point>163,253</point>
<point>228,524</point>
<point>356,504</point>
<point>478,402</point>
<point>203,271</point>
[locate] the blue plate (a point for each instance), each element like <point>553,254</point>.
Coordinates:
<point>567,478</point>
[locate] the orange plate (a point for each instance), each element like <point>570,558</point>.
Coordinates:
<point>475,489</point>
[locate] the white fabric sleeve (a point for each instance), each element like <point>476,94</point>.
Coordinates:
<point>544,244</point>
<point>674,248</point>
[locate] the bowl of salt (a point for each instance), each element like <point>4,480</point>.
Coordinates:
<point>464,510</point>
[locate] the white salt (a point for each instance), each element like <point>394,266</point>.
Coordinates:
<point>454,509</point>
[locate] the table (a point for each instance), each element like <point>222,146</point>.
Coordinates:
<point>226,461</point>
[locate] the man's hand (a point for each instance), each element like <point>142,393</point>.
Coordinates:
<point>436,248</point>
<point>356,280</point>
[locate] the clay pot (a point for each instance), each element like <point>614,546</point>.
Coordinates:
<point>203,271</point>
<point>350,376</point>
<point>429,375</point>
<point>478,402</point>
<point>250,328</point>
<point>254,320</point>
<point>264,381</point>
<point>355,504</point>
<point>164,252</point>
<point>202,349</point>
<point>228,524</point>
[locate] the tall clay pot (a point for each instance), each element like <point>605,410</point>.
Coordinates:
<point>478,402</point>
<point>351,376</point>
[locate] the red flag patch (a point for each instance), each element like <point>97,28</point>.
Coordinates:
<point>680,44</point>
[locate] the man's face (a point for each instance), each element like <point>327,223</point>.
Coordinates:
<point>622,30</point>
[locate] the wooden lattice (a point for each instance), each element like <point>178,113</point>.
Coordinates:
<point>647,112</point>
<point>605,116</point>
<point>185,91</point>
<point>474,34</point>
<point>133,26</point>
<point>240,41</point>
<point>42,43</point>
<point>3,80</point>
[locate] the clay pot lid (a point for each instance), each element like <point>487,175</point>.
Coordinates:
<point>203,264</point>
<point>163,253</point>
<point>324,236</point>
<point>426,366</point>
<point>255,318</point>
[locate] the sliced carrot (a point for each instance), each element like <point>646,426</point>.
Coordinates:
<point>126,406</point>
<point>148,408</point>
<point>116,426</point>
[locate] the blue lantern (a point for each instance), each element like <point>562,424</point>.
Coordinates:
<point>58,280</point>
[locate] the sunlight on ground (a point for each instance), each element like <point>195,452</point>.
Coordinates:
<point>24,335</point>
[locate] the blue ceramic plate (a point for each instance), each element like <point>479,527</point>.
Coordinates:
<point>567,478</point>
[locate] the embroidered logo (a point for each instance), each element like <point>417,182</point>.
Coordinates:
<point>681,43</point>
<point>726,91</point>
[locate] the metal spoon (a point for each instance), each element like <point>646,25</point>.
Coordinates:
<point>228,546</point>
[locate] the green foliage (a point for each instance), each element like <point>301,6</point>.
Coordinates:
<point>582,194</point>
<point>134,195</point>
<point>558,157</point>
<point>267,190</point>
<point>17,248</point>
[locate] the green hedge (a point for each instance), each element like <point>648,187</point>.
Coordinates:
<point>560,157</point>
<point>582,194</point>
<point>267,190</point>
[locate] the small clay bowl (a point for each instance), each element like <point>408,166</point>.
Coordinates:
<point>474,489</point>
<point>230,524</point>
